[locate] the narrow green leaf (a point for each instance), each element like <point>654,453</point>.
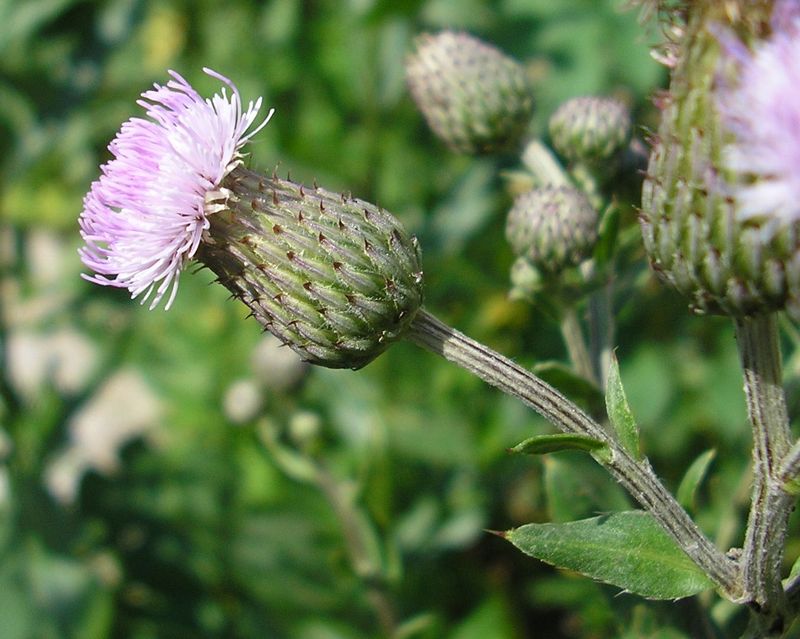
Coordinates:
<point>792,486</point>
<point>543,444</point>
<point>607,236</point>
<point>626,549</point>
<point>687,490</point>
<point>793,573</point>
<point>619,412</point>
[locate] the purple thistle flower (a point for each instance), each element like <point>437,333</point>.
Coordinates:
<point>144,218</point>
<point>762,110</point>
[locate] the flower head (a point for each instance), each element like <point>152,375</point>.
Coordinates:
<point>474,97</point>
<point>762,111</point>
<point>145,216</point>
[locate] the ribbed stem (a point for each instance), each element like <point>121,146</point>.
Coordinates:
<point>770,505</point>
<point>637,477</point>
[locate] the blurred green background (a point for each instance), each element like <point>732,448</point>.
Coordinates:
<point>175,474</point>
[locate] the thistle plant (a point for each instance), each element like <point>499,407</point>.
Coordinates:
<point>475,98</point>
<point>333,277</point>
<point>338,279</point>
<point>552,227</point>
<point>719,224</point>
<point>590,128</point>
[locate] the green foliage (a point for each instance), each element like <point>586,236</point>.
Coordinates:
<point>373,519</point>
<point>543,444</point>
<point>619,412</point>
<point>627,549</point>
<point>696,473</point>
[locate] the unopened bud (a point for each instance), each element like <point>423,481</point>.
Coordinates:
<point>335,278</point>
<point>552,227</point>
<point>475,98</point>
<point>590,129</point>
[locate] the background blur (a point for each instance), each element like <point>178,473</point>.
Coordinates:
<point>176,474</point>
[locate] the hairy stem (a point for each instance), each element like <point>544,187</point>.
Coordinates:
<point>765,537</point>
<point>637,477</point>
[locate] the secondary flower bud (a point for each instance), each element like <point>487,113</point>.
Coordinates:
<point>722,177</point>
<point>590,129</point>
<point>333,277</point>
<point>552,227</point>
<point>475,98</point>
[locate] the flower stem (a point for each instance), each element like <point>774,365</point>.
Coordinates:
<point>576,344</point>
<point>635,476</point>
<point>765,537</point>
<point>544,166</point>
<point>358,547</point>
<point>601,331</point>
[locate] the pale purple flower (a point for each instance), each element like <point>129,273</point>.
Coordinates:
<point>762,110</point>
<point>144,218</point>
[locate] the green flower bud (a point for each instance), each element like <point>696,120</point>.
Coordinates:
<point>553,227</point>
<point>695,240</point>
<point>590,129</point>
<point>333,277</point>
<point>475,98</point>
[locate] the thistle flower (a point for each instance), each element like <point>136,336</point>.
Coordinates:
<point>590,128</point>
<point>475,98</point>
<point>146,214</point>
<point>552,227</point>
<point>335,278</point>
<point>762,110</point>
<point>717,211</point>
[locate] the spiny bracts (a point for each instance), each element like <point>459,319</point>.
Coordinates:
<point>335,278</point>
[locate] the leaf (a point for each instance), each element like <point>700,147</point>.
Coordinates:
<point>687,490</point>
<point>793,573</point>
<point>626,549</point>
<point>543,444</point>
<point>619,412</point>
<point>607,236</point>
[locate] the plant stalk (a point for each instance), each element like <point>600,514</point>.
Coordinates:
<point>576,345</point>
<point>635,476</point>
<point>765,537</point>
<point>601,331</point>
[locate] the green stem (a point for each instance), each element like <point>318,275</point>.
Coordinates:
<point>636,476</point>
<point>358,548</point>
<point>585,178</point>
<point>601,331</point>
<point>355,526</point>
<point>576,345</point>
<point>544,166</point>
<point>765,536</point>
<point>8,395</point>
